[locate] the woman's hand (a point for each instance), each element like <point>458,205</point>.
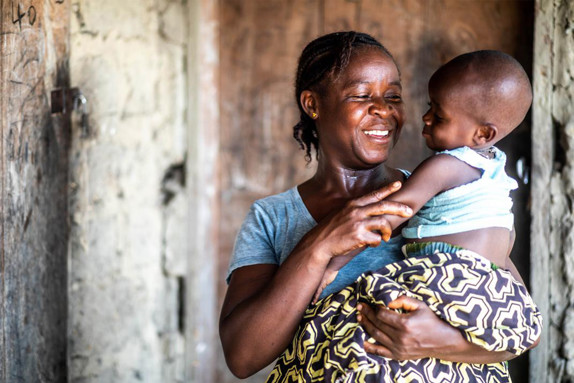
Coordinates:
<point>419,333</point>
<point>360,223</point>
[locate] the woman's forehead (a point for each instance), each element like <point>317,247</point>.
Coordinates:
<point>368,66</point>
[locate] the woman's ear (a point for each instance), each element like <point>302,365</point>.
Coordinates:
<point>485,134</point>
<point>308,101</point>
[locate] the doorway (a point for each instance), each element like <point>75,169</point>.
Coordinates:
<point>260,41</point>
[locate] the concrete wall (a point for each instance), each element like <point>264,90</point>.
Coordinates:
<point>553,190</point>
<point>129,198</point>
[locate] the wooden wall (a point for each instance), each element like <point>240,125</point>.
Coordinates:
<point>33,178</point>
<point>260,41</point>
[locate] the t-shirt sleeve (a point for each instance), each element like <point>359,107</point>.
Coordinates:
<point>254,242</point>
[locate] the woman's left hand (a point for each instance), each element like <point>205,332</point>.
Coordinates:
<point>419,333</point>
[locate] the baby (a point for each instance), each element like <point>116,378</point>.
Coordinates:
<point>462,193</point>
<point>458,243</point>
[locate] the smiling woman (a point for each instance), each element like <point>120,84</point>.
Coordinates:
<point>362,112</point>
<point>348,91</point>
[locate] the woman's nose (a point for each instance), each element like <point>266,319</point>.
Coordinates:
<point>381,108</point>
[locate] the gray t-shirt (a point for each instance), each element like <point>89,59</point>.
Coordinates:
<point>274,226</point>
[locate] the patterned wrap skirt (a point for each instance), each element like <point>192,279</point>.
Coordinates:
<point>488,306</point>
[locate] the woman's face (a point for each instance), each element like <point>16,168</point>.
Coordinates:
<point>361,112</point>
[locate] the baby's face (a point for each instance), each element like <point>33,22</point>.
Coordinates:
<point>448,123</point>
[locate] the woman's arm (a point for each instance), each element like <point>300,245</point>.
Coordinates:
<point>419,333</point>
<point>265,303</point>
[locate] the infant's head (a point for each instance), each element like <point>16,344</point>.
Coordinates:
<point>476,99</point>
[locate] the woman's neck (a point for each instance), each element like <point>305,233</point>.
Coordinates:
<point>333,186</point>
<point>350,183</point>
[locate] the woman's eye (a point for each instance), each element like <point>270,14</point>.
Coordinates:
<point>395,98</point>
<point>359,97</point>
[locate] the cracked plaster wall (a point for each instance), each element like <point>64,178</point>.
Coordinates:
<point>562,197</point>
<point>553,189</point>
<point>128,192</point>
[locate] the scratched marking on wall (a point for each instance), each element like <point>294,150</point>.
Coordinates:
<point>22,14</point>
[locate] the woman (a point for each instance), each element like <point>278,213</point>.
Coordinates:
<point>348,91</point>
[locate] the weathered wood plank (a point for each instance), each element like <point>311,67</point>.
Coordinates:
<point>203,168</point>
<point>542,162</point>
<point>34,171</point>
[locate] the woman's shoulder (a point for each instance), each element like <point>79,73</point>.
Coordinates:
<point>279,199</point>
<point>282,204</point>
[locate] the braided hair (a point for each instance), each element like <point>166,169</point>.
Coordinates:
<point>324,57</point>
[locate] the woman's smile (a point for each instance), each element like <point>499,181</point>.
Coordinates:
<point>379,134</point>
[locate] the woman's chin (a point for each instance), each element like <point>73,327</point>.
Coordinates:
<point>374,159</point>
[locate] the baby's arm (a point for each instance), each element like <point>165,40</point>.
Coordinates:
<point>434,175</point>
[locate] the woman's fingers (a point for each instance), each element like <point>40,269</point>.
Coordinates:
<point>377,331</point>
<point>362,222</point>
<point>377,195</point>
<point>381,226</point>
<point>383,319</point>
<point>374,204</point>
<point>377,349</point>
<point>388,207</point>
<point>367,319</point>
<point>406,303</point>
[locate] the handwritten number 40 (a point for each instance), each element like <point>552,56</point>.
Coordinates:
<point>21,14</point>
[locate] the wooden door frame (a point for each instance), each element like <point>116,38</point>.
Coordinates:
<point>202,170</point>
<point>543,158</point>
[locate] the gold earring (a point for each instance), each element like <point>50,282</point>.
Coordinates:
<point>314,115</point>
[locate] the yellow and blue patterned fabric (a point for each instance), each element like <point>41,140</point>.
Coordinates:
<point>488,306</point>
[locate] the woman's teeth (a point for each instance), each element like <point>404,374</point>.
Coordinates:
<point>379,133</point>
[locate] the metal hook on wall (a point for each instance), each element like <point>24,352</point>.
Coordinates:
<point>65,101</point>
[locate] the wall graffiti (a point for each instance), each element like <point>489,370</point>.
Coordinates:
<point>24,14</point>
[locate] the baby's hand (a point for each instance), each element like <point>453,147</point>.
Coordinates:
<point>328,277</point>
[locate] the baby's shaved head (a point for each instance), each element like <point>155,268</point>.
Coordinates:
<point>494,86</point>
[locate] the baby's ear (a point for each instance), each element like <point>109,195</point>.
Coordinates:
<point>485,134</point>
